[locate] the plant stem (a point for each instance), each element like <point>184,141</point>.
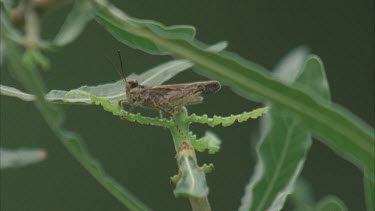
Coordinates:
<point>32,26</point>
<point>200,204</point>
<point>180,135</point>
<point>180,132</point>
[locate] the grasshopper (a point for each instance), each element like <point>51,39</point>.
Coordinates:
<point>164,98</point>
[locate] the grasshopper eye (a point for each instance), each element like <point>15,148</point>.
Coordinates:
<point>131,84</point>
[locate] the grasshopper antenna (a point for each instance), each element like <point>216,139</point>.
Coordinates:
<point>121,65</point>
<point>121,73</point>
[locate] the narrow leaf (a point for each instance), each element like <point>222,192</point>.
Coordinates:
<point>179,32</point>
<point>75,23</point>
<point>331,203</point>
<point>115,109</point>
<point>8,30</point>
<point>29,76</point>
<point>287,69</point>
<point>113,91</point>
<point>37,56</point>
<point>13,92</point>
<point>369,184</point>
<point>20,157</point>
<point>283,148</point>
<point>281,156</point>
<point>7,4</point>
<point>339,129</point>
<point>168,70</point>
<point>302,196</point>
<point>311,81</point>
<point>226,121</point>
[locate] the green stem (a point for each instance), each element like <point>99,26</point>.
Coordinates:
<point>180,132</point>
<point>180,135</point>
<point>32,26</point>
<point>200,204</point>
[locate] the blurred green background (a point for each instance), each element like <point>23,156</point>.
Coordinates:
<point>140,157</point>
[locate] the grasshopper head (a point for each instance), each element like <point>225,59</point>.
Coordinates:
<point>131,85</point>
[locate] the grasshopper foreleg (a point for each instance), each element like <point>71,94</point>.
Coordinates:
<point>170,114</point>
<point>122,104</point>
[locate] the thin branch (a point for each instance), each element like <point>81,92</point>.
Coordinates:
<point>32,26</point>
<point>200,204</point>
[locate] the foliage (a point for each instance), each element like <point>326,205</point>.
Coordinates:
<point>339,129</point>
<point>297,94</point>
<point>285,142</point>
<point>10,158</point>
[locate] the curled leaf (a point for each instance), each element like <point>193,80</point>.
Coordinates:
<point>226,121</point>
<point>192,182</point>
<point>209,142</point>
<point>208,168</point>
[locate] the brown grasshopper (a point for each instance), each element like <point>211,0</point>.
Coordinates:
<point>164,98</point>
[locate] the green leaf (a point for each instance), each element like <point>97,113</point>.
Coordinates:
<point>168,70</point>
<point>339,129</point>
<point>113,91</point>
<point>331,203</point>
<point>29,76</point>
<point>79,96</point>
<point>285,142</point>
<point>208,168</point>
<point>75,23</point>
<point>192,182</point>
<point>20,157</point>
<point>8,30</point>
<point>302,199</point>
<point>310,80</point>
<point>115,109</point>
<point>36,56</point>
<point>288,67</point>
<point>2,51</point>
<point>281,155</point>
<point>369,184</point>
<point>7,4</point>
<point>302,196</point>
<point>209,142</point>
<point>13,92</point>
<point>179,32</point>
<point>226,121</point>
